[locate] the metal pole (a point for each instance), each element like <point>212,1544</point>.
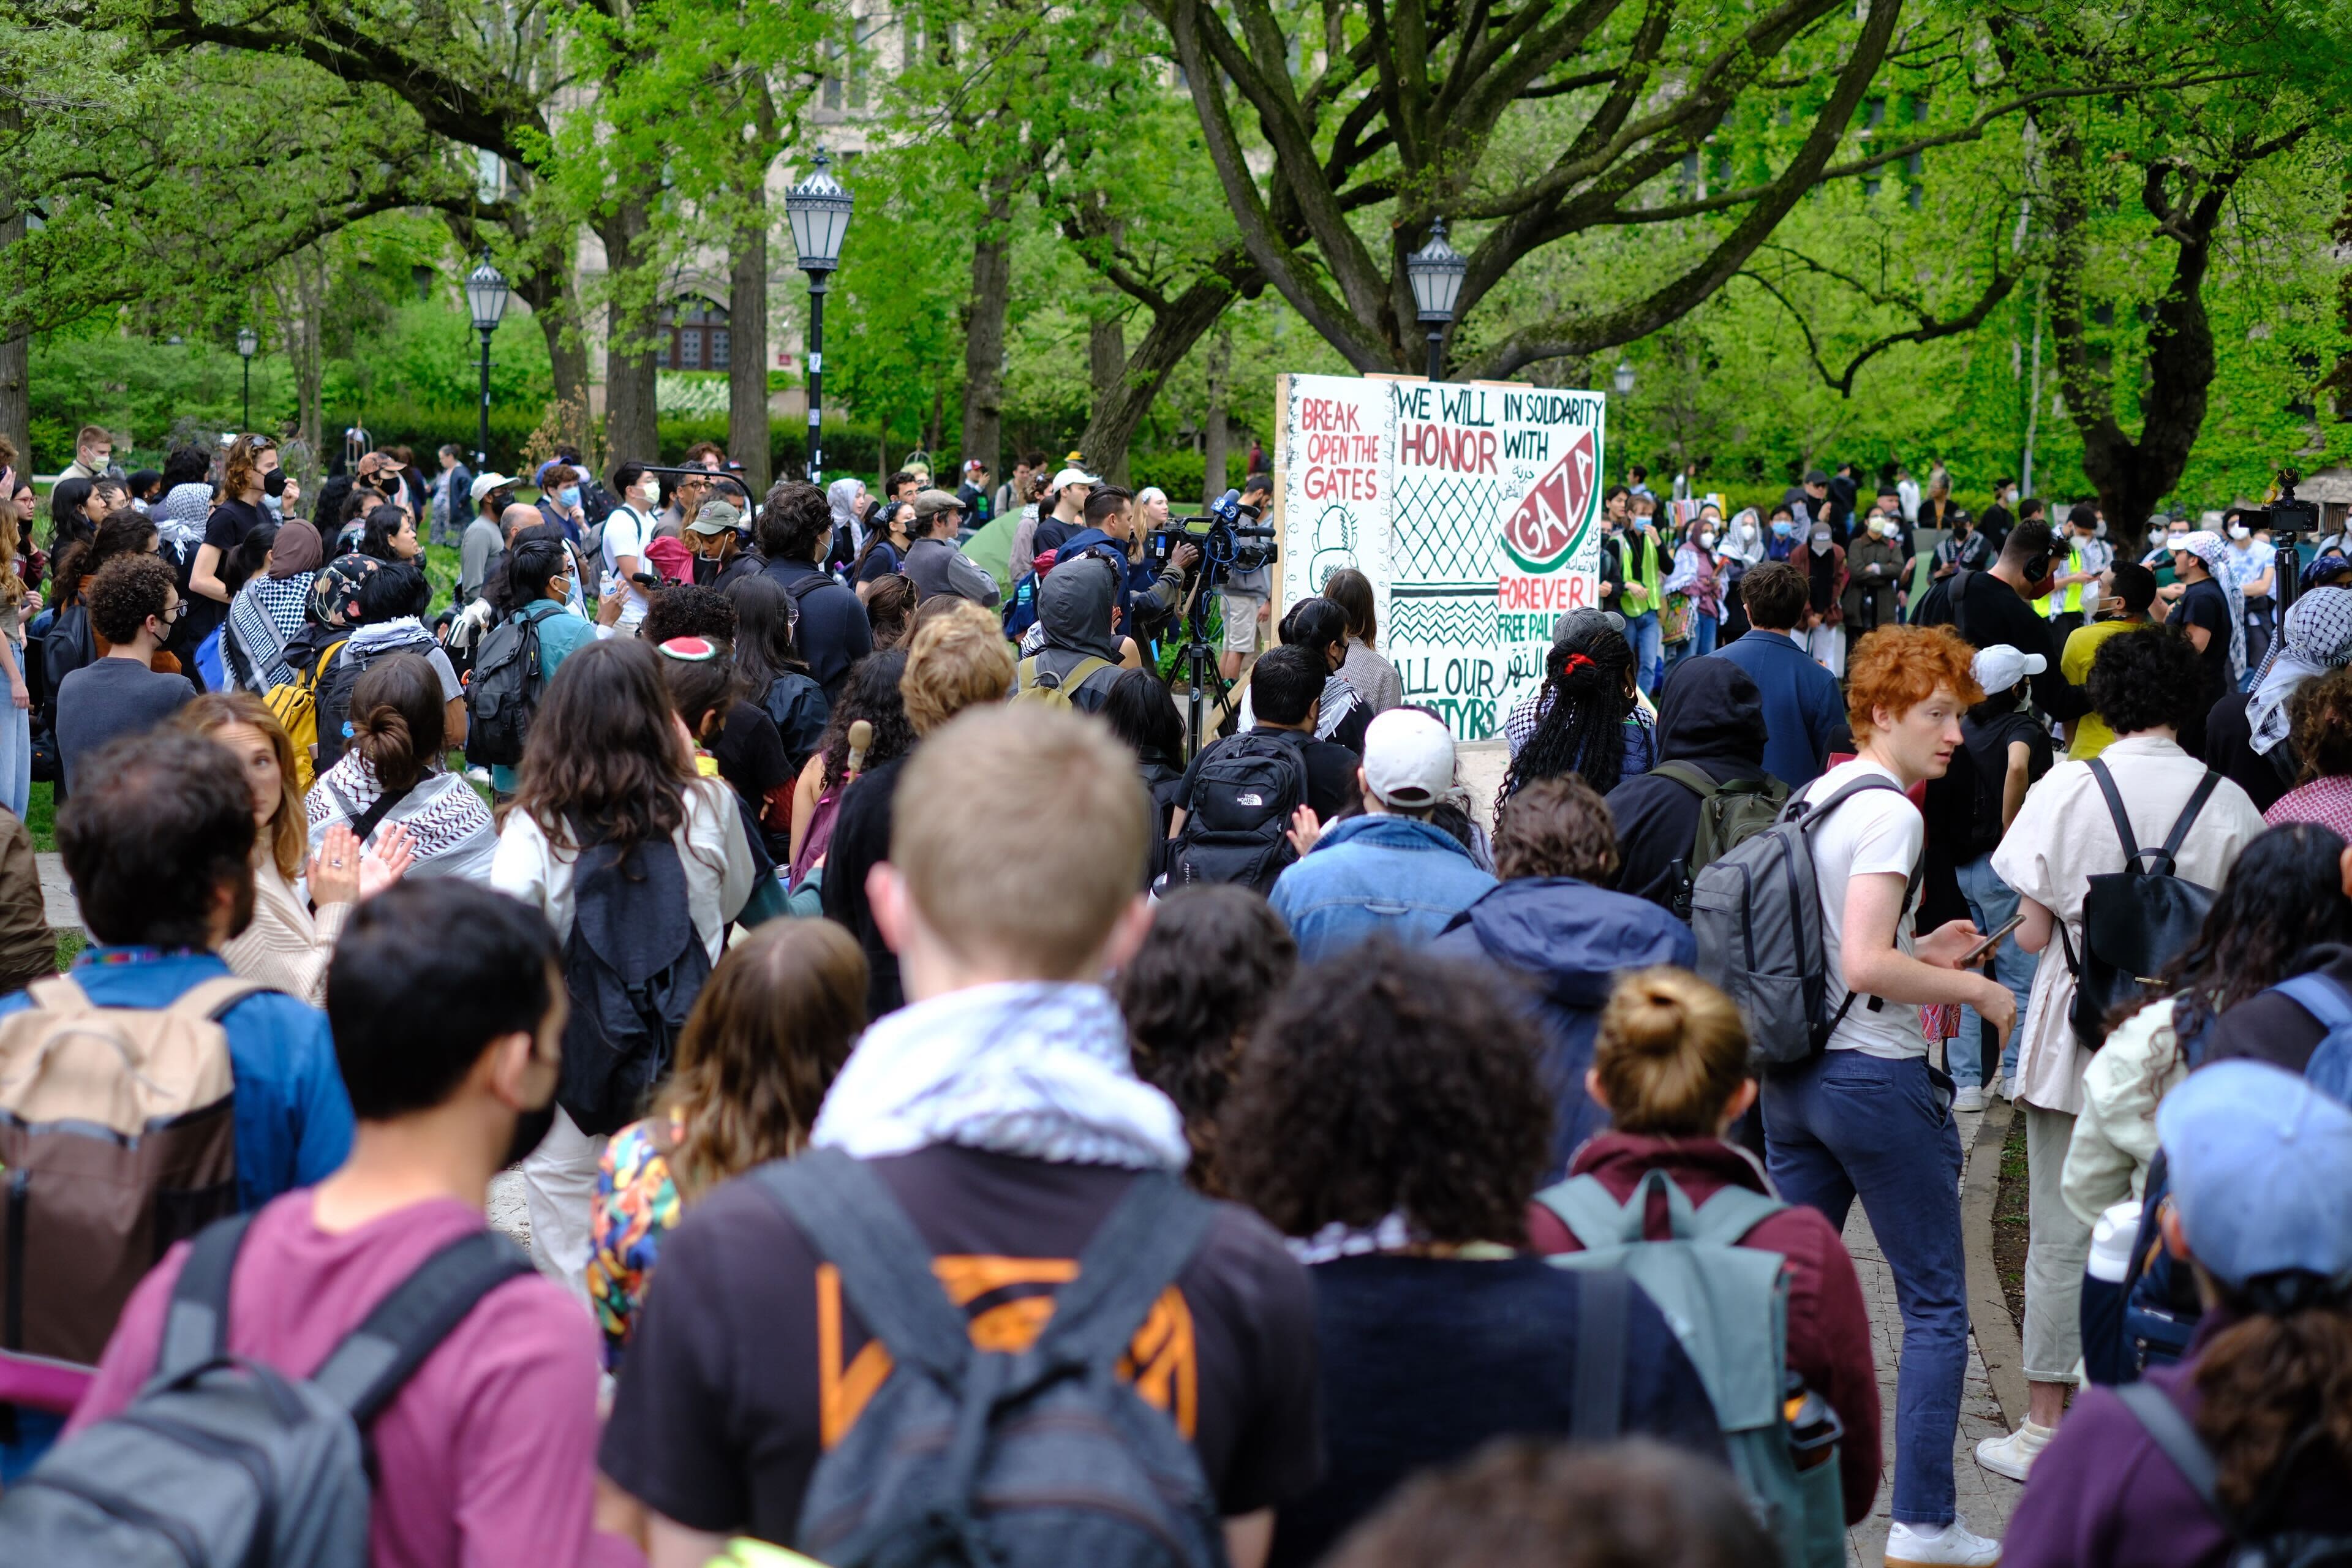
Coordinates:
<point>249,392</point>
<point>482,432</point>
<point>817,379</point>
<point>1436,353</point>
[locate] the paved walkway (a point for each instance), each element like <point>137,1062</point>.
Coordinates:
<point>1985,1499</point>
<point>57,892</point>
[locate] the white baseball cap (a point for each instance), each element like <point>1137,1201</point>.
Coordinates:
<point>485,483</point>
<point>1075,477</point>
<point>1408,759</point>
<point>2001,667</point>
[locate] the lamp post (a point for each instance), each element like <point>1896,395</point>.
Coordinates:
<point>819,210</point>
<point>485,294</point>
<point>1623,379</point>
<point>248,341</point>
<point>1435,271</point>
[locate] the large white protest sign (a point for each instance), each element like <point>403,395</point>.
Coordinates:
<point>1473,510</point>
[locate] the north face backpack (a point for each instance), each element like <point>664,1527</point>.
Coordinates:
<point>1730,815</point>
<point>2161,1309</point>
<point>2175,1438</point>
<point>505,691</point>
<point>1237,819</point>
<point>1757,912</point>
<point>2135,920</point>
<point>633,966</point>
<point>117,1137</point>
<point>340,673</point>
<point>223,1462</point>
<point>1728,1306</point>
<point>1032,684</point>
<point>1008,1458</point>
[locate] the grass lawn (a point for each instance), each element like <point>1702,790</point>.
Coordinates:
<point>41,818</point>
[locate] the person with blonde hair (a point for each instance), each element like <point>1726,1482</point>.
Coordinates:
<point>1670,1069</point>
<point>958,659</point>
<point>998,1120</point>
<point>773,1025</point>
<point>299,902</point>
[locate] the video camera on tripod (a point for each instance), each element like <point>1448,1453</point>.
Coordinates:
<point>1231,539</point>
<point>2285,518</point>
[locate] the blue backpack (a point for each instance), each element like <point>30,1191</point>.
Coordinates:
<point>2160,1311</point>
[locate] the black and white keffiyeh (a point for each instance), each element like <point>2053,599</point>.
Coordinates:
<point>2316,638</point>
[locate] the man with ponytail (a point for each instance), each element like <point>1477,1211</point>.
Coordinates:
<point>2242,1453</point>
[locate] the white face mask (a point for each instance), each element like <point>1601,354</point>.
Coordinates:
<point>2240,531</point>
<point>1878,526</point>
<point>2156,536</point>
<point>1748,531</point>
<point>1707,540</point>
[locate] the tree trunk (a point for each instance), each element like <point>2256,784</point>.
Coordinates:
<point>747,326</point>
<point>1135,381</point>
<point>983,332</point>
<point>1113,421</point>
<point>1217,430</point>
<point>632,419</point>
<point>16,351</point>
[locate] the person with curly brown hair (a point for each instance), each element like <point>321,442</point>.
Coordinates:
<point>2322,714</point>
<point>1215,959</point>
<point>1391,1120</point>
<point>132,603</point>
<point>1554,926</point>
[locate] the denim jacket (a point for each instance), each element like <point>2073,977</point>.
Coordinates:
<point>1370,874</point>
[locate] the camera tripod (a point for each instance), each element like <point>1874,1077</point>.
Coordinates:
<point>1200,675</point>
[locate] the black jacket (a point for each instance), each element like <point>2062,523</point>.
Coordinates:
<point>1711,714</point>
<point>1986,611</point>
<point>832,629</point>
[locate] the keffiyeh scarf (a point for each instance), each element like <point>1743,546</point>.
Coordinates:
<point>1032,1068</point>
<point>2209,549</point>
<point>181,515</point>
<point>2316,639</point>
<point>266,611</point>
<point>451,829</point>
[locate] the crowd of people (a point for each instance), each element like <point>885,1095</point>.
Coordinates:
<point>957,1120</point>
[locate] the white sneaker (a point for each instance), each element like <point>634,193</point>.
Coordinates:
<point>1952,1546</point>
<point>1968,1097</point>
<point>1999,1086</point>
<point>2013,1456</point>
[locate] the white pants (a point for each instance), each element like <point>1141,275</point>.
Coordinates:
<point>558,1188</point>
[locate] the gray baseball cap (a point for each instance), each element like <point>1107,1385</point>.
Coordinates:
<point>1579,624</point>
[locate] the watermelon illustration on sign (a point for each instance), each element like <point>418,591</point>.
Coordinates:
<point>1552,519</point>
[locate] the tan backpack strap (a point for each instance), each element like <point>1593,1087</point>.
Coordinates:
<point>59,993</point>
<point>211,998</point>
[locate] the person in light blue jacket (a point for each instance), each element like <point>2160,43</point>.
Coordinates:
<point>1391,869</point>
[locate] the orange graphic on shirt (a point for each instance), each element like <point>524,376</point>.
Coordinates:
<point>1009,1300</point>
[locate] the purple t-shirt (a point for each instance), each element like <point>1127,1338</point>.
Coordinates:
<point>487,1455</point>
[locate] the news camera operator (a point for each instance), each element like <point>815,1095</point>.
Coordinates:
<point>1155,587</point>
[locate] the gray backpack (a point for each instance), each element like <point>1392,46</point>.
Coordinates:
<point>1728,1306</point>
<point>971,1456</point>
<point>1757,912</point>
<point>225,1463</point>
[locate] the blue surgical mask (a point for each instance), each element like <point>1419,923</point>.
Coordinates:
<point>1782,528</point>
<point>569,495</point>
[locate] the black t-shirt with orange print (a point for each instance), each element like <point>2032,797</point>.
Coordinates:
<point>746,1363</point>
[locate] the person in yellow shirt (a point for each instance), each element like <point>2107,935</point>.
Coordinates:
<point>2129,596</point>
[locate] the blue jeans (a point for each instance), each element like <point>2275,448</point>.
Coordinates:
<point>1846,1125</point>
<point>1642,631</point>
<point>1992,902</point>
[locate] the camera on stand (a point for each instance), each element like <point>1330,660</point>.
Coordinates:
<point>1231,539</point>
<point>2285,518</point>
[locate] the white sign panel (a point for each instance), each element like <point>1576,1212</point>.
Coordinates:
<point>1473,510</point>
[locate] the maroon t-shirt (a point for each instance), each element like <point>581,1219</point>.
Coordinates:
<point>486,1456</point>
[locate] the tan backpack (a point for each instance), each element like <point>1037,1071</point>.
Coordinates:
<point>117,1137</point>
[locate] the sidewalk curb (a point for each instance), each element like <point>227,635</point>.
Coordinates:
<point>1997,1338</point>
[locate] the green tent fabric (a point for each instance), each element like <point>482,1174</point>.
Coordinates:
<point>991,548</point>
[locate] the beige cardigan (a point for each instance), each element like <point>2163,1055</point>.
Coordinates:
<point>286,946</point>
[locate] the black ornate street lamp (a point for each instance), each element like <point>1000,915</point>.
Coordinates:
<point>247,342</point>
<point>819,210</point>
<point>1435,271</point>
<point>485,294</point>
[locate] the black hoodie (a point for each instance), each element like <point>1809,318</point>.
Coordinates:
<point>1711,714</point>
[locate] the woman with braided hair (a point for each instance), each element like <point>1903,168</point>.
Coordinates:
<point>1589,722</point>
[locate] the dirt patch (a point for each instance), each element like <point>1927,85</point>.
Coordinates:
<point>2009,1221</point>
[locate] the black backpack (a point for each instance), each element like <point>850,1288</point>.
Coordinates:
<point>633,966</point>
<point>505,691</point>
<point>342,674</point>
<point>2135,920</point>
<point>1011,1459</point>
<point>2176,1438</point>
<point>1237,819</point>
<point>221,1462</point>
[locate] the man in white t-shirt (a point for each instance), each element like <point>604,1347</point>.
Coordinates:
<point>1869,1116</point>
<point>627,530</point>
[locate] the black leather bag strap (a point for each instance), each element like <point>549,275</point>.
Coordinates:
<point>2115,811</point>
<point>368,821</point>
<point>2188,819</point>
